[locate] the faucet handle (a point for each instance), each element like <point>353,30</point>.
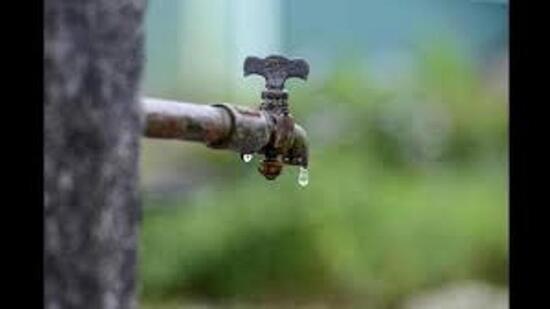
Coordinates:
<point>276,70</point>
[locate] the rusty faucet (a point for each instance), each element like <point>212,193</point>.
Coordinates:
<point>268,130</point>
<point>275,70</point>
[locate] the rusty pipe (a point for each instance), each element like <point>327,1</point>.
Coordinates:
<point>220,126</point>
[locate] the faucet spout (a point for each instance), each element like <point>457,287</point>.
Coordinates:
<point>298,153</point>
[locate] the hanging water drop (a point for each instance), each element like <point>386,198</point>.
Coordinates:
<point>247,157</point>
<point>303,177</point>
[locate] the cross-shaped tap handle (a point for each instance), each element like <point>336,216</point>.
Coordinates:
<point>276,70</point>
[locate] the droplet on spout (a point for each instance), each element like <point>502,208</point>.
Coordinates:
<point>247,157</point>
<point>303,177</point>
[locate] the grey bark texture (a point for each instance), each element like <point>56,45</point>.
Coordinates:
<point>93,55</point>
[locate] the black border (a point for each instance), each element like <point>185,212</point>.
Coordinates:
<point>527,57</point>
<point>22,142</point>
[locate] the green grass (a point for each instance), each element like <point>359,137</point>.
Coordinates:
<point>353,231</point>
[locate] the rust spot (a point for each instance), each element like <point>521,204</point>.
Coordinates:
<point>271,168</point>
<point>163,126</point>
<point>214,135</point>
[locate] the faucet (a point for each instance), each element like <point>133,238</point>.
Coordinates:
<point>269,130</point>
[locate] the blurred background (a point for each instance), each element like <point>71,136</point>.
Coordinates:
<point>406,109</point>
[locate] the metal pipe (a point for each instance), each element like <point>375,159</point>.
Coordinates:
<point>168,119</point>
<point>219,126</point>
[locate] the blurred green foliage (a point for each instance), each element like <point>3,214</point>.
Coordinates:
<point>408,190</point>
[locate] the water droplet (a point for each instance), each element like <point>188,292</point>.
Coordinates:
<point>247,157</point>
<point>303,177</point>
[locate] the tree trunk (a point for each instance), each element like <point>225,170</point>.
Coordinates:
<point>93,63</point>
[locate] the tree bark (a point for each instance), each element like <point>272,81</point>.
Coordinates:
<point>93,54</point>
